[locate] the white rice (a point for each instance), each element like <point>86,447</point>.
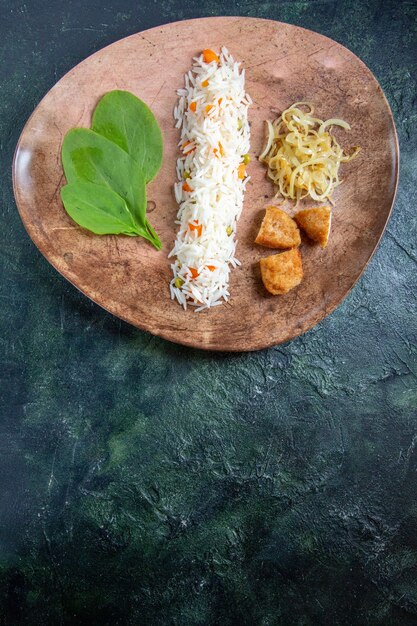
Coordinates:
<point>215,202</point>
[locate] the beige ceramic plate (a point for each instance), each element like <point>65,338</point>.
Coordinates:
<point>126,275</point>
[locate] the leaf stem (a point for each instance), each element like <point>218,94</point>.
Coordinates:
<point>154,237</point>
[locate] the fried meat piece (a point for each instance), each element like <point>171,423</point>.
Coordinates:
<point>282,272</point>
<point>316,223</point>
<point>278,230</point>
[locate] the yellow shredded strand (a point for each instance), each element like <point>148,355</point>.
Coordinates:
<point>302,156</point>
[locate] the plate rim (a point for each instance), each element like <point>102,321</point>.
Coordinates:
<point>190,343</point>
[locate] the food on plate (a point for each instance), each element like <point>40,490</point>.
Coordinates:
<point>107,168</point>
<point>302,155</point>
<point>316,223</point>
<point>278,230</point>
<point>282,272</point>
<point>124,119</point>
<point>212,115</point>
<point>100,209</point>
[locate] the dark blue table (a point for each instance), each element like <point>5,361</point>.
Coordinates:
<point>145,483</point>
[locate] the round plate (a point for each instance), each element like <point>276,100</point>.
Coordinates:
<point>126,275</point>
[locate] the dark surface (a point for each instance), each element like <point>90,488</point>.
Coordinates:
<point>144,483</point>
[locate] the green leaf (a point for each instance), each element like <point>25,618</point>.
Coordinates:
<point>128,122</point>
<point>89,157</point>
<point>98,209</point>
<point>106,190</point>
<point>103,211</point>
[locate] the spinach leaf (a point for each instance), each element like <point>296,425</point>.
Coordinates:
<point>128,122</point>
<point>107,170</point>
<point>99,209</point>
<point>90,157</point>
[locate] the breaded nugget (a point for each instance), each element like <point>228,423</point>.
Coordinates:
<point>316,223</point>
<point>282,272</point>
<point>278,230</point>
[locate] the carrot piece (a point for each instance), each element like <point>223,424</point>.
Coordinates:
<point>185,145</point>
<point>220,100</point>
<point>186,187</point>
<point>241,171</point>
<point>194,272</point>
<point>211,267</point>
<point>198,227</point>
<point>209,108</point>
<point>219,149</point>
<point>193,107</point>
<point>210,56</point>
<point>205,83</point>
